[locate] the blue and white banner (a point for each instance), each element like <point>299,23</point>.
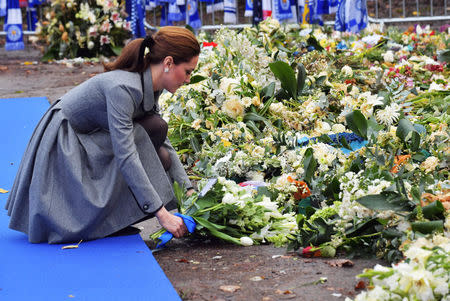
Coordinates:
<point>2,8</point>
<point>32,17</point>
<point>294,18</point>
<point>351,16</point>
<point>136,16</point>
<point>229,11</point>
<point>218,5</point>
<point>194,18</point>
<point>13,26</point>
<point>175,13</point>
<point>248,8</point>
<point>150,4</point>
<point>282,9</point>
<point>164,16</point>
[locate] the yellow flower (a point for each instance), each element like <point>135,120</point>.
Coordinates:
<point>226,143</point>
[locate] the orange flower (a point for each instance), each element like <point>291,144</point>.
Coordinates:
<point>398,162</point>
<point>302,189</point>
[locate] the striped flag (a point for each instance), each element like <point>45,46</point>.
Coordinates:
<point>13,26</point>
<point>229,9</point>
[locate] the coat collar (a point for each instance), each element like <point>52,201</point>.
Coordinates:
<point>150,96</point>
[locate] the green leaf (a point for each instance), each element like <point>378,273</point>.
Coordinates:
<point>286,75</point>
<point>357,123</point>
<point>387,200</point>
<point>268,91</point>
<point>178,191</point>
<point>301,78</point>
<point>444,56</point>
<point>207,224</point>
<point>309,165</point>
<point>433,210</point>
<point>428,227</point>
<point>195,144</point>
<point>196,79</point>
<point>214,230</point>
<point>408,134</point>
<point>117,50</point>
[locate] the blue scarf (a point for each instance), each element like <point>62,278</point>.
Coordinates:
<point>13,26</point>
<point>175,13</point>
<point>229,11</point>
<point>194,18</point>
<point>282,9</point>
<point>136,16</point>
<point>2,8</point>
<point>248,8</point>
<point>351,16</point>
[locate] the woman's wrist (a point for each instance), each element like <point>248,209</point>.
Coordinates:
<point>161,212</point>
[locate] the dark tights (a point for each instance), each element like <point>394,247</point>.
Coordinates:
<point>157,129</point>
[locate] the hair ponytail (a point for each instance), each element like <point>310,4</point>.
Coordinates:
<point>177,42</point>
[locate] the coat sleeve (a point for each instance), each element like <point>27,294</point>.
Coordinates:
<point>176,171</point>
<point>121,105</point>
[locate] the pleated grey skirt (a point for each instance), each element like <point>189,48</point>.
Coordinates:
<point>69,186</point>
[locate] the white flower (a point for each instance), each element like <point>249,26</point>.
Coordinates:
<point>389,114</point>
<point>246,241</point>
<point>104,40</point>
<point>90,44</point>
<point>388,56</point>
<point>196,124</point>
<point>338,128</point>
<point>429,164</point>
<point>436,87</point>
<point>347,71</point>
<point>258,152</point>
<point>227,85</point>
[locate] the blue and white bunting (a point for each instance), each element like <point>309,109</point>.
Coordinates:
<point>351,16</point>
<point>13,27</point>
<point>229,11</point>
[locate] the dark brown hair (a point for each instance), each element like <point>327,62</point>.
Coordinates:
<point>177,42</point>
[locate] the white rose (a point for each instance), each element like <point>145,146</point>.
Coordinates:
<point>246,241</point>
<point>388,56</point>
<point>347,70</point>
<point>90,45</point>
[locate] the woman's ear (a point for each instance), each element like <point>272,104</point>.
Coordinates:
<point>168,61</point>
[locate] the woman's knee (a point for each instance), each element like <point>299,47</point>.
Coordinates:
<point>164,157</point>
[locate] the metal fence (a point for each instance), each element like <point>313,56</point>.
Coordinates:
<point>387,11</point>
<point>400,11</point>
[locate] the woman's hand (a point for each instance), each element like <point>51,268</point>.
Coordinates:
<point>171,223</point>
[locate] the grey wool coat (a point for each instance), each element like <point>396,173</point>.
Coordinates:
<point>89,170</point>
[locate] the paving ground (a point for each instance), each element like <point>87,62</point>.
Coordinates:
<point>199,269</point>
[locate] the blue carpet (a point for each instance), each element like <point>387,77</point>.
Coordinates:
<point>115,268</point>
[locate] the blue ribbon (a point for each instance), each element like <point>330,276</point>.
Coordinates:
<point>354,141</point>
<point>167,236</point>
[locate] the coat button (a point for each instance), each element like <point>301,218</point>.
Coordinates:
<point>145,207</point>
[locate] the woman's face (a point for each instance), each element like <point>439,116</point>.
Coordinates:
<point>180,74</point>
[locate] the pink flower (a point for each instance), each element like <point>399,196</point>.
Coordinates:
<point>93,31</point>
<point>127,25</point>
<point>106,26</point>
<point>104,40</point>
<point>115,17</point>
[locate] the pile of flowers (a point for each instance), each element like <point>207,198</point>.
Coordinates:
<point>320,139</point>
<point>423,275</point>
<point>91,28</point>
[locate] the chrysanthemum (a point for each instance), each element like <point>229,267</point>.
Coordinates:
<point>389,114</point>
